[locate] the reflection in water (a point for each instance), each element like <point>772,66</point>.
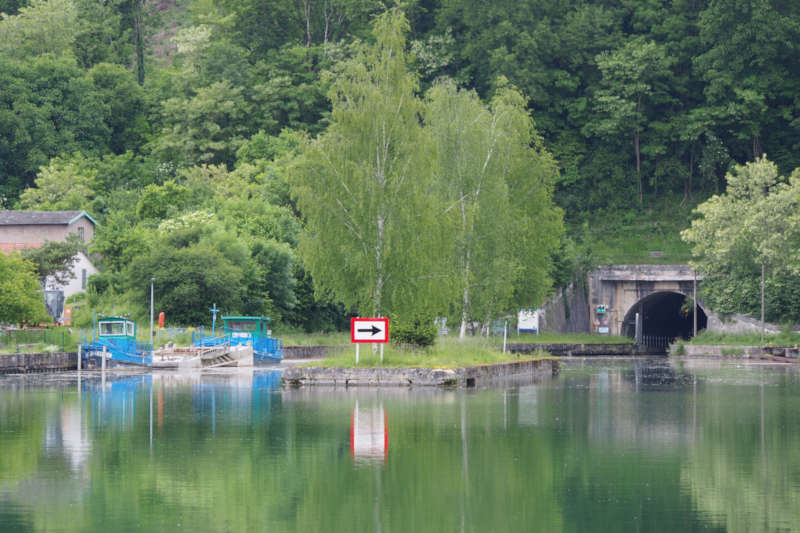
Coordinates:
<point>624,445</point>
<point>369,433</point>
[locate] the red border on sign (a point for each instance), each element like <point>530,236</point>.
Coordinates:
<point>354,321</point>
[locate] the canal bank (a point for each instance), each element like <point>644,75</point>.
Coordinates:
<point>588,349</point>
<point>27,363</point>
<point>425,377</point>
<point>780,353</point>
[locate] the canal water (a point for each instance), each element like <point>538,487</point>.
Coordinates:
<point>608,445</point>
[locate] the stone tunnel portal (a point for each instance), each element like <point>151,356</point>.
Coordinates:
<point>664,315</point>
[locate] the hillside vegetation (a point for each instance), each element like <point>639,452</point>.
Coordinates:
<point>199,135</point>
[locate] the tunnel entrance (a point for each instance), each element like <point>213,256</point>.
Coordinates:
<point>664,318</point>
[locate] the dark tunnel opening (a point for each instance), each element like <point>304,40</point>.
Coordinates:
<point>666,315</point>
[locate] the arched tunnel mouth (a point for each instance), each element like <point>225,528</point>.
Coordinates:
<point>666,316</point>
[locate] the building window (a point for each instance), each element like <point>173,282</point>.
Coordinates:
<point>80,234</point>
<point>83,278</point>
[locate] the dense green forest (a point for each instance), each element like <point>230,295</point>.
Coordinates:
<point>191,128</point>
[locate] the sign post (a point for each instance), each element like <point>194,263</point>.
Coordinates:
<point>371,330</point>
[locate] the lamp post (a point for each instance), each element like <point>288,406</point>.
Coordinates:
<point>152,281</point>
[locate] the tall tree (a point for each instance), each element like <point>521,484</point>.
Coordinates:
<point>20,296</point>
<point>629,75</point>
<point>365,187</point>
<point>64,184</point>
<point>53,260</point>
<point>45,26</point>
<point>750,65</point>
<point>751,231</point>
<point>47,107</point>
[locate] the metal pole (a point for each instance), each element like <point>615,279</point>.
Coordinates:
<point>505,334</point>
<point>357,354</point>
<point>763,272</point>
<point>381,353</point>
<point>103,361</point>
<point>152,281</point>
<point>80,356</point>
<point>694,302</point>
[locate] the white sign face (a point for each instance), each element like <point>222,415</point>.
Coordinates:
<point>528,320</point>
<point>369,330</point>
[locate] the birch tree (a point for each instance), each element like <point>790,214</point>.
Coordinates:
<point>497,184</point>
<point>364,186</point>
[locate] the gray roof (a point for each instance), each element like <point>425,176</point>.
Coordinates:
<point>17,218</point>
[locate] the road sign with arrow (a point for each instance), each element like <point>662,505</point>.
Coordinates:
<point>369,329</point>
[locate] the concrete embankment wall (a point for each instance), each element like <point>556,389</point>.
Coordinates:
<point>588,350</point>
<point>468,376</point>
<point>24,363</point>
<point>699,350</point>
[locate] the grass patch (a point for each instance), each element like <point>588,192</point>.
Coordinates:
<point>448,352</point>
<point>35,340</point>
<point>34,348</point>
<point>314,339</point>
<point>647,236</point>
<point>784,338</point>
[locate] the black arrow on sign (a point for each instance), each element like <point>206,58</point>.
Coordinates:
<point>373,329</point>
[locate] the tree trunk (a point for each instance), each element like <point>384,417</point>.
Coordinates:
<point>763,272</point>
<point>376,305</point>
<point>138,40</point>
<point>307,9</point>
<point>326,13</point>
<point>638,164</point>
<point>465,280</point>
<point>636,149</point>
<point>465,299</point>
<point>687,184</point>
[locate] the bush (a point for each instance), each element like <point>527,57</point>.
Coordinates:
<point>417,330</point>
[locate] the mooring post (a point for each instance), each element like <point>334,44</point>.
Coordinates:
<point>80,355</point>
<point>694,301</point>
<point>505,334</point>
<point>638,329</point>
<point>103,362</point>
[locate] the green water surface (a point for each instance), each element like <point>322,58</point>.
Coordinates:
<point>646,445</point>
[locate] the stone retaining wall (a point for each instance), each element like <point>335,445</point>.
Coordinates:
<point>24,363</point>
<point>468,376</point>
<point>588,350</point>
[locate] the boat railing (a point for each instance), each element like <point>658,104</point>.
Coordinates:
<point>199,339</point>
<point>261,345</point>
<point>268,345</point>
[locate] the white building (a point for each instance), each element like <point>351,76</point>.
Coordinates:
<point>30,229</point>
